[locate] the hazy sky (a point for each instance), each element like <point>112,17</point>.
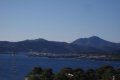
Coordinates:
<point>59,20</point>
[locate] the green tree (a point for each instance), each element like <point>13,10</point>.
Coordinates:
<point>36,70</point>
<point>60,76</point>
<point>78,74</point>
<point>33,77</point>
<point>66,71</point>
<point>105,72</point>
<point>117,75</point>
<point>90,74</point>
<point>63,74</point>
<point>47,75</point>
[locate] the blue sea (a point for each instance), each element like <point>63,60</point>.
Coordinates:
<point>22,65</point>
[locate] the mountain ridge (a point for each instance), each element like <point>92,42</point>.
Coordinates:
<point>92,44</point>
<point>97,43</point>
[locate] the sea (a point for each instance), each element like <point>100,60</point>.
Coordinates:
<point>17,67</point>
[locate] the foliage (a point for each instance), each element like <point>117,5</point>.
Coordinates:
<point>105,72</point>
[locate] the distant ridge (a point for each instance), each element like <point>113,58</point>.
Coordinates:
<point>39,39</point>
<point>98,43</point>
<point>81,45</point>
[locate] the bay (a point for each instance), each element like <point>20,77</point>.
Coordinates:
<point>24,64</point>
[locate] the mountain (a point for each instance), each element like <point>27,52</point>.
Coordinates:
<point>37,45</point>
<point>83,45</point>
<point>98,43</point>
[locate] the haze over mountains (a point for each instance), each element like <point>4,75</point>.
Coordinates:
<point>92,44</point>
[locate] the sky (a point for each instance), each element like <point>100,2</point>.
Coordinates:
<point>59,20</point>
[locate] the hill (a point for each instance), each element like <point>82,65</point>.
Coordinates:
<point>83,45</point>
<point>98,43</point>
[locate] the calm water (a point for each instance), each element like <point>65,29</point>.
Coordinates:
<point>24,64</point>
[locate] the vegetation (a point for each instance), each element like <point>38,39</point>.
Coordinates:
<point>103,73</point>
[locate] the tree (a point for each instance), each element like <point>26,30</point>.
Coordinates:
<point>60,76</point>
<point>78,74</point>
<point>105,72</point>
<point>33,77</point>
<point>66,70</point>
<point>37,70</point>
<point>117,75</point>
<point>47,75</point>
<point>63,74</point>
<point>90,74</point>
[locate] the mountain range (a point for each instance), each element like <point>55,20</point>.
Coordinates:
<point>92,44</point>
